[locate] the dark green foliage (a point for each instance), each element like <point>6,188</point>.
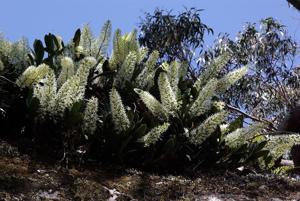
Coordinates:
<point>174,36</point>
<point>13,61</point>
<point>76,39</point>
<point>38,52</point>
<point>53,47</point>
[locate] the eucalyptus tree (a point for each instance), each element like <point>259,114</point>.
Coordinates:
<point>272,85</point>
<point>178,37</point>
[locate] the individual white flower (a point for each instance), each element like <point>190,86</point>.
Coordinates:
<point>224,128</point>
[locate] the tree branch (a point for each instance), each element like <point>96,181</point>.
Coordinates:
<point>295,3</point>
<point>272,126</point>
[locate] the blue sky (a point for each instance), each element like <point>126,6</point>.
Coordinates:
<point>34,18</point>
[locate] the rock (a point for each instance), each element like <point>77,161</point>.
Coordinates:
<point>263,188</point>
<point>89,190</point>
<point>276,199</point>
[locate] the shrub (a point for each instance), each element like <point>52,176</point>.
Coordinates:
<point>130,108</point>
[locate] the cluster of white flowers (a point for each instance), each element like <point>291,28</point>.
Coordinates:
<point>88,41</point>
<point>156,108</point>
<point>122,46</point>
<point>67,70</point>
<point>16,53</point>
<point>174,75</point>
<point>126,71</point>
<point>146,77</point>
<point>212,70</point>
<point>154,134</point>
<point>92,46</point>
<point>45,91</point>
<point>90,117</point>
<point>199,134</point>
<point>143,52</point>
<point>167,96</point>
<point>32,75</point>
<point>201,104</point>
<point>84,69</point>
<point>70,92</point>
<point>73,89</point>
<point>54,100</point>
<point>242,135</point>
<point>104,39</point>
<point>118,111</point>
<point>231,78</point>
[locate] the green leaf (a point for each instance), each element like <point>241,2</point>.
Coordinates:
<point>57,43</point>
<point>31,58</point>
<point>169,146</point>
<point>105,66</point>
<point>124,144</point>
<point>33,105</point>
<point>39,51</point>
<point>76,38</point>
<point>74,115</point>
<point>261,145</point>
<point>237,123</point>
<point>50,43</point>
<point>258,154</point>
<point>130,116</point>
<point>141,131</point>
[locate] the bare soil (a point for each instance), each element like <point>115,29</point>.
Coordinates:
<point>23,178</point>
